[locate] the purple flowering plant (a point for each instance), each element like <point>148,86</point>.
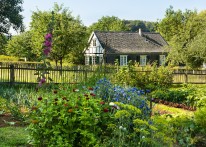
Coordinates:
<point>42,70</point>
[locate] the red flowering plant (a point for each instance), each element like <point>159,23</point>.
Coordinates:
<point>71,117</point>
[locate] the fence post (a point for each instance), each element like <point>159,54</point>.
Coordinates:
<point>85,75</point>
<point>12,77</point>
<point>186,77</point>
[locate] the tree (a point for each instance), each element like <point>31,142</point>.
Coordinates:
<point>197,50</point>
<point>10,15</point>
<point>68,32</point>
<point>134,25</point>
<point>107,23</point>
<point>21,46</point>
<point>178,28</point>
<point>3,42</point>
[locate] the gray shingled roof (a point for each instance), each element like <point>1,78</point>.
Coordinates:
<point>131,42</point>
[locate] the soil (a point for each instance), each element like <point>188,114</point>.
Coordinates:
<point>8,120</point>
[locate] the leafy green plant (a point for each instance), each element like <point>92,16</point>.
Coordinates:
<point>200,117</point>
<point>183,129</point>
<point>69,118</point>
<point>151,77</point>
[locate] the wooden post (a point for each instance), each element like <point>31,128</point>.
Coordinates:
<point>85,75</point>
<point>186,77</point>
<point>12,77</point>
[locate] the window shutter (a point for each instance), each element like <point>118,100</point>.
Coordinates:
<point>128,58</point>
<point>90,60</point>
<point>138,59</point>
<point>97,60</point>
<point>149,59</point>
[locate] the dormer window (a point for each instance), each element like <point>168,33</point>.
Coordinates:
<point>94,42</point>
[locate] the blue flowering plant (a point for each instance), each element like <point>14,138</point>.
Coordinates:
<point>105,90</point>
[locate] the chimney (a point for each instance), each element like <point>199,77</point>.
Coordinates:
<point>140,32</point>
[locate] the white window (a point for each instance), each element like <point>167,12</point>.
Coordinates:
<point>123,60</point>
<point>161,59</point>
<point>86,60</point>
<point>93,60</point>
<point>94,42</point>
<point>143,60</point>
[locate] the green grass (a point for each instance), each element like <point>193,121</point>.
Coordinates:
<point>13,136</point>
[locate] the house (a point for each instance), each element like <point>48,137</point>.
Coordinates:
<point>142,47</point>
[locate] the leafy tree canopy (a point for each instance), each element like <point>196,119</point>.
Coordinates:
<point>68,32</point>
<point>179,29</point>
<point>146,26</point>
<point>197,50</point>
<point>3,42</point>
<point>21,46</point>
<point>108,23</point>
<point>112,23</point>
<point>10,15</point>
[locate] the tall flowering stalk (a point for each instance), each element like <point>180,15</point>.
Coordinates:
<point>47,46</point>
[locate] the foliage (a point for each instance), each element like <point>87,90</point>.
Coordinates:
<point>8,58</point>
<point>21,46</point>
<point>152,77</point>
<point>130,95</point>
<point>183,130</point>
<point>135,25</point>
<point>112,23</point>
<point>3,42</point>
<point>13,136</point>
<point>197,51</point>
<point>69,118</point>
<point>108,23</point>
<point>17,99</point>
<point>10,15</point>
<point>200,118</point>
<point>183,31</point>
<point>68,32</point>
<point>182,97</point>
<point>131,130</point>
<point>160,76</point>
<point>3,107</point>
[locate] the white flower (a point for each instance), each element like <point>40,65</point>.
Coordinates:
<point>122,128</point>
<point>111,104</point>
<point>114,105</point>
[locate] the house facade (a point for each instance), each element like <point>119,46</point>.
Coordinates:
<point>142,47</point>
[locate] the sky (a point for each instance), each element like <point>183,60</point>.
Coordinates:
<point>92,10</point>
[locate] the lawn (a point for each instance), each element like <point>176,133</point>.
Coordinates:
<point>13,136</point>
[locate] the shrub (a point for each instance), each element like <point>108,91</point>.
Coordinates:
<point>70,119</point>
<point>152,77</point>
<point>200,118</point>
<point>184,130</point>
<point>8,58</point>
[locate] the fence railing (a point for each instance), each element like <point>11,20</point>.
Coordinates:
<point>24,74</point>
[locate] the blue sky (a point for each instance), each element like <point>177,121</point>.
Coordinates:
<point>92,10</point>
